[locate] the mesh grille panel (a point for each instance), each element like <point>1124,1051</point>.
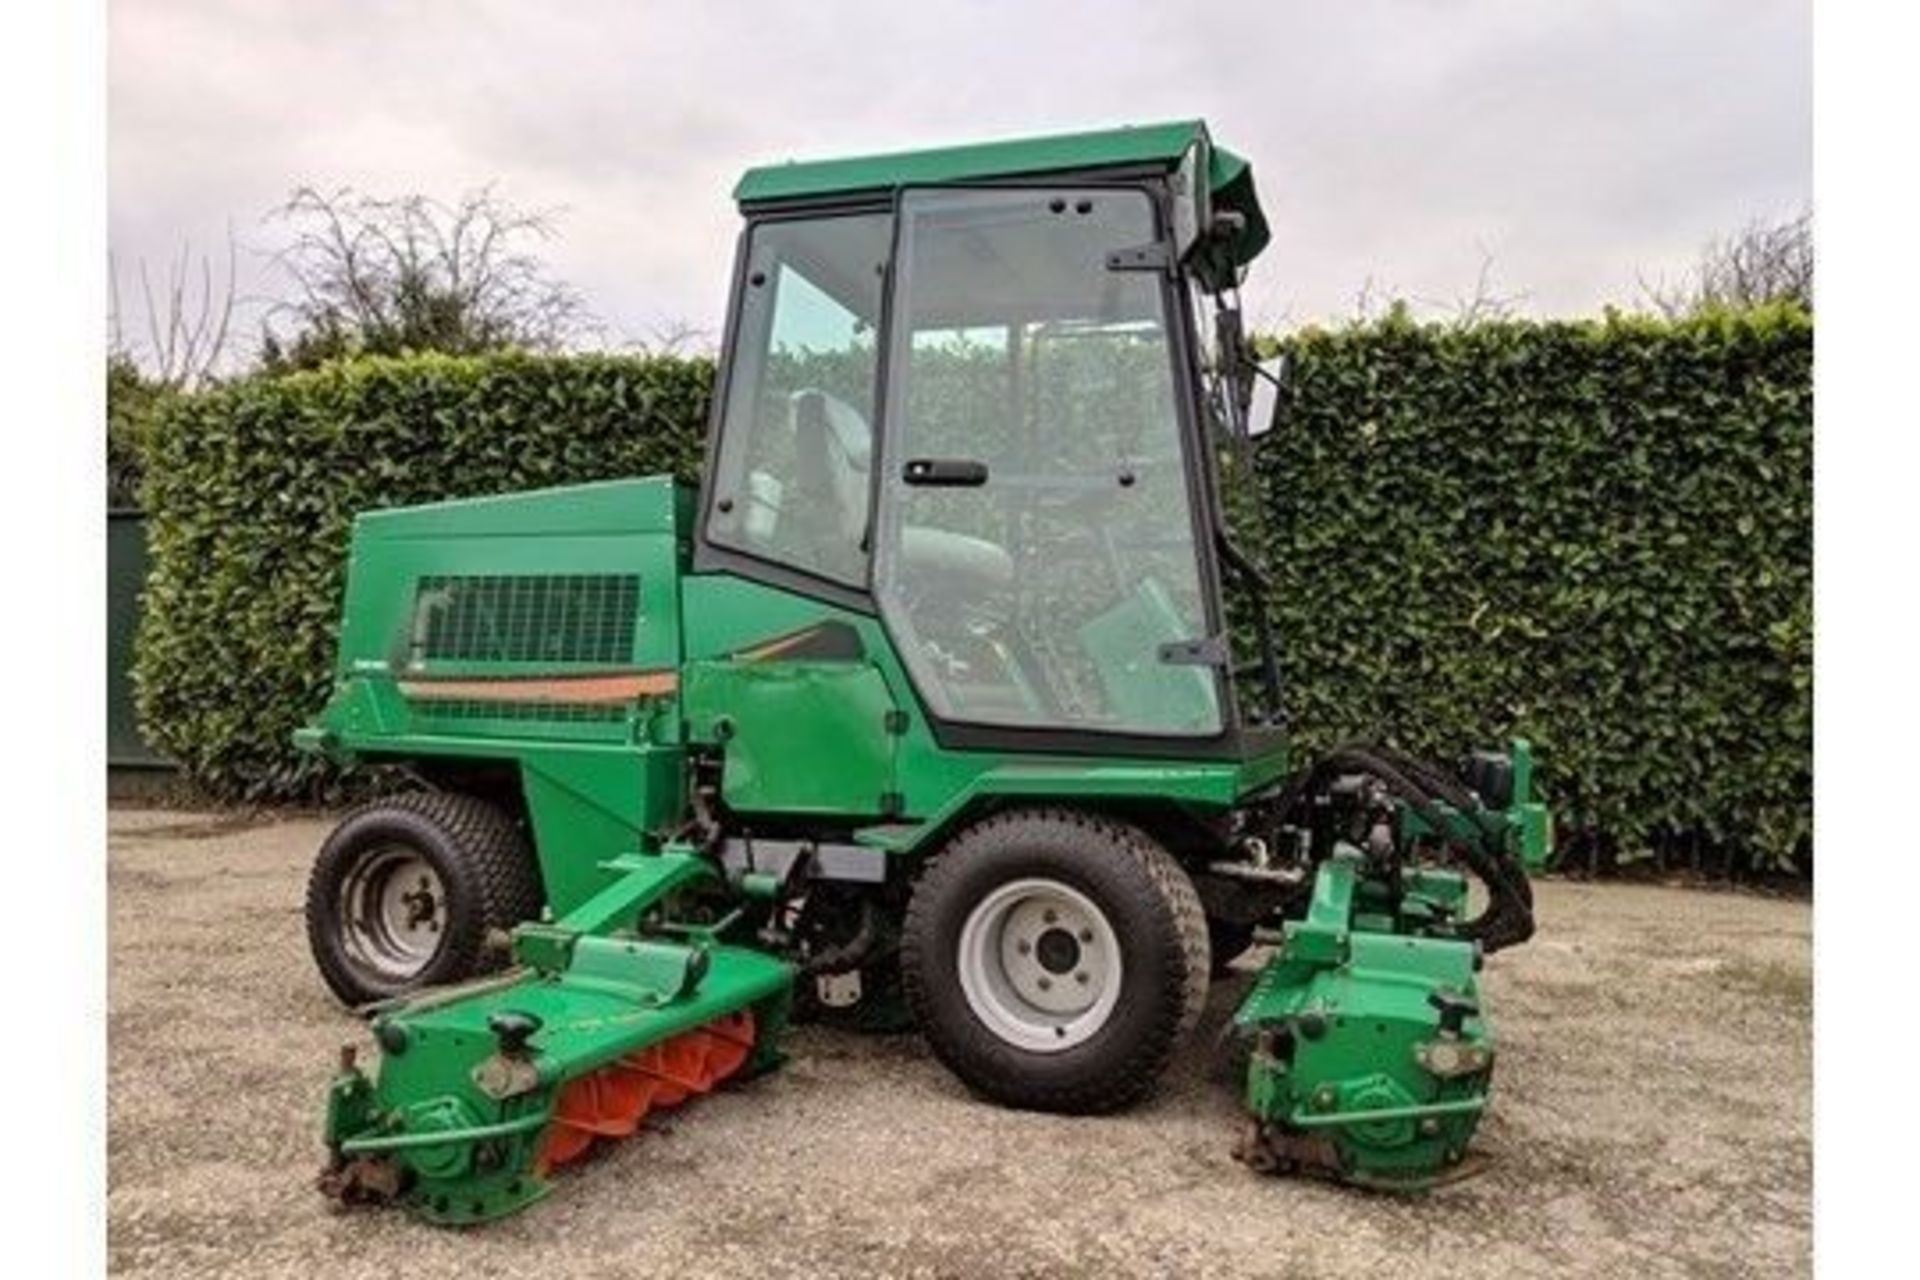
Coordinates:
<point>582,618</point>
<point>462,711</point>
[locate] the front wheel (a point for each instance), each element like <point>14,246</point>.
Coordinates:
<point>1054,959</point>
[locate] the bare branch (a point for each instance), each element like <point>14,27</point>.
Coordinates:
<point>1483,305</point>
<point>153,316</point>
<point>1763,262</point>
<point>676,337</point>
<point>188,323</point>
<point>413,273</point>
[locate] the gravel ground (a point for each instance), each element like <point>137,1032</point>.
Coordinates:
<point>1652,1117</point>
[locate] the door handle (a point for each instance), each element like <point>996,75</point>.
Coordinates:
<point>945,473</point>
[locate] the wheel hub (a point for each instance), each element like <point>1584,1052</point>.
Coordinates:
<point>393,911</point>
<point>1057,951</point>
<point>1040,964</point>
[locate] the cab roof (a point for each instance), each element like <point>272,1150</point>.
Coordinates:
<point>1149,146</point>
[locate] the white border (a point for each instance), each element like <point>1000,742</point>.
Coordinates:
<point>1867,566</point>
<point>52,340</point>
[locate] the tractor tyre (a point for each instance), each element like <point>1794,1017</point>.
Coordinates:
<point>1054,959</point>
<point>406,891</point>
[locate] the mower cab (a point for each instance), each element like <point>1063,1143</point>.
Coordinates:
<point>1035,520</point>
<point>949,700</point>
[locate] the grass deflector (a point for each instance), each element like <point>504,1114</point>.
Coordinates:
<point>924,711</point>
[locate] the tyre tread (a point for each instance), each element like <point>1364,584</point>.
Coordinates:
<point>1184,990</point>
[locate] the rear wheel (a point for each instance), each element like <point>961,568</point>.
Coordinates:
<point>1054,959</point>
<point>405,891</point>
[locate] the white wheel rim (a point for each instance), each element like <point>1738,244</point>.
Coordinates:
<point>393,911</point>
<point>1040,965</point>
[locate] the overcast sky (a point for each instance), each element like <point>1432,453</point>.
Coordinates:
<point>1583,146</point>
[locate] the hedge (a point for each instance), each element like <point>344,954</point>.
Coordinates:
<point>133,405</point>
<point>251,488</point>
<point>1595,534</point>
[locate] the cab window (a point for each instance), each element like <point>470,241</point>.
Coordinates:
<point>791,482</point>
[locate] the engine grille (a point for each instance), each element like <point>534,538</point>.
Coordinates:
<point>581,619</point>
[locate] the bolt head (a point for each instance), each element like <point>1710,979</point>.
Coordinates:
<point>391,1036</point>
<point>1046,984</point>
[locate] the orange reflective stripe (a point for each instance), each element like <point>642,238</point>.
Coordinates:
<point>620,687</point>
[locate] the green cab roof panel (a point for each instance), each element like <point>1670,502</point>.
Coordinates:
<point>1132,146</point>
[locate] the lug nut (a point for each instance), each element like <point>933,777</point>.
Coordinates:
<point>1046,984</point>
<point>1081,977</point>
<point>1023,946</point>
<point>1050,915</point>
<point>1086,935</point>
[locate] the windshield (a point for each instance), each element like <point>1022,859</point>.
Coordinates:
<point>1035,555</point>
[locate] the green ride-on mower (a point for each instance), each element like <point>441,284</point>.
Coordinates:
<point>925,710</point>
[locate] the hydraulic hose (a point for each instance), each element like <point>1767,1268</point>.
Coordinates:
<point>1456,793</point>
<point>1508,916</point>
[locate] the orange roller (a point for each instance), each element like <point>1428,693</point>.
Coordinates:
<point>561,1143</point>
<point>730,1040</point>
<point>625,1096</point>
<point>611,1101</point>
<point>682,1064</point>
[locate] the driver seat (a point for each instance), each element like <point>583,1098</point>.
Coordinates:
<point>833,455</point>
<point>833,449</point>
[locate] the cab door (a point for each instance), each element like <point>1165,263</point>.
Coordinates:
<point>1037,555</point>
